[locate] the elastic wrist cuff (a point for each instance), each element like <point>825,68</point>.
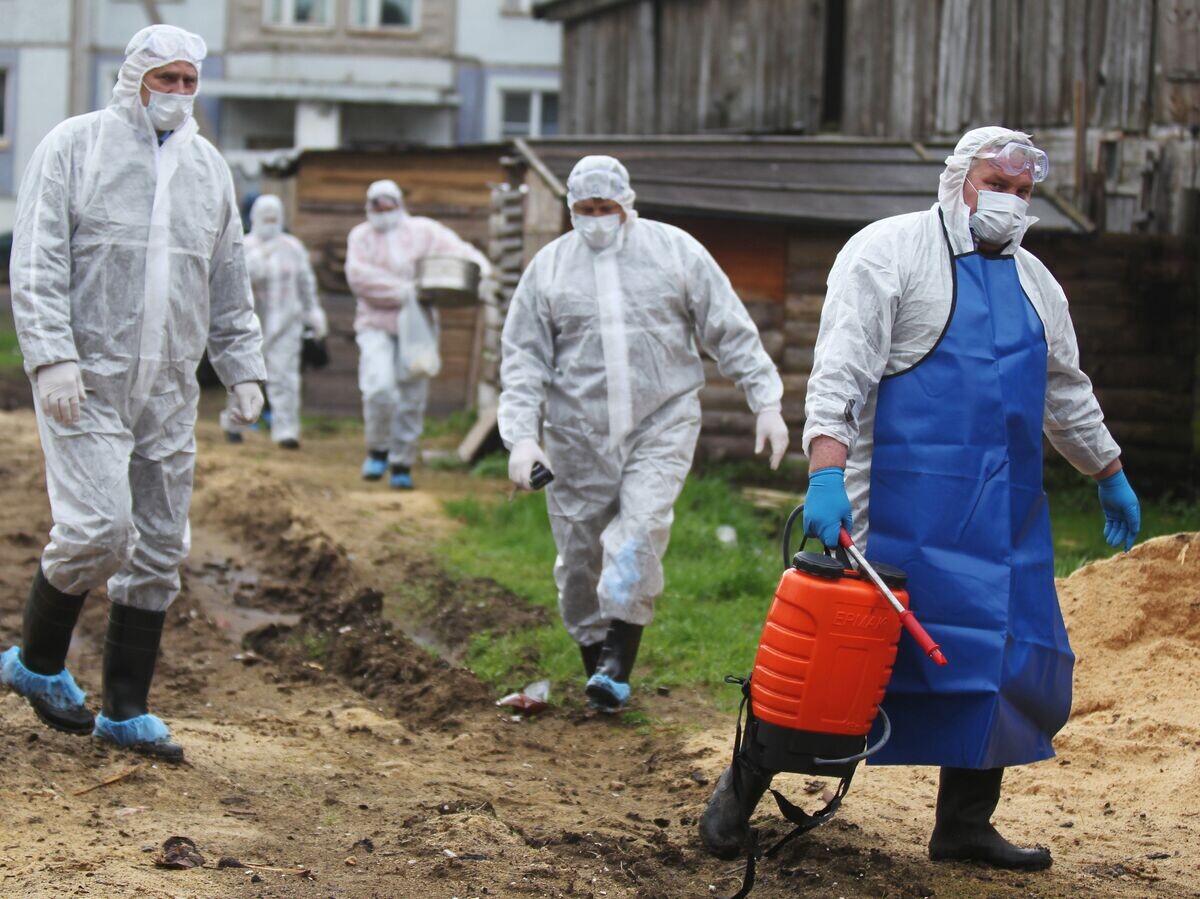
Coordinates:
<point>827,473</point>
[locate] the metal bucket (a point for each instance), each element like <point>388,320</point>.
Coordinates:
<point>447,281</point>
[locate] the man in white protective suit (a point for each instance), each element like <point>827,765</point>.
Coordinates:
<point>285,298</point>
<point>600,361</point>
<point>397,336</point>
<point>946,356</point>
<point>127,263</point>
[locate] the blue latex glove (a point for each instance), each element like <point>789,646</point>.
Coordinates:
<point>826,507</point>
<point>1122,513</point>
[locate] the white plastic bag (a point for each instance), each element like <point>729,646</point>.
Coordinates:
<point>419,355</point>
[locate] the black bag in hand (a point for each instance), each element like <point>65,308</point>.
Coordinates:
<point>314,354</point>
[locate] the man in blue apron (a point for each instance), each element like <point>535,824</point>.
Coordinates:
<point>945,352</point>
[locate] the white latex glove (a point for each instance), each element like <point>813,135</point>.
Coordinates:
<point>520,462</point>
<point>316,321</point>
<point>771,428</point>
<point>60,389</point>
<point>246,403</point>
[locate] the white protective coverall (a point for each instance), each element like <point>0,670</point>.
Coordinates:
<point>128,259</point>
<point>888,301</point>
<point>607,343</point>
<point>381,271</point>
<point>285,298</point>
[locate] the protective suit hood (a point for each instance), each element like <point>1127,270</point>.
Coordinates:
<point>955,211</point>
<point>266,206</point>
<point>151,48</point>
<point>385,188</point>
<point>603,177</point>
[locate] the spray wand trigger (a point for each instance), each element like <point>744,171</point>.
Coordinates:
<point>906,617</point>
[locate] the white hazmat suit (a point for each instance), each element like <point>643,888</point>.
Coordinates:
<point>128,259</point>
<point>381,258</point>
<point>605,342</point>
<point>867,333</point>
<point>285,298</point>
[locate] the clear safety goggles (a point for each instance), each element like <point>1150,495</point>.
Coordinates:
<point>1014,158</point>
<point>175,45</point>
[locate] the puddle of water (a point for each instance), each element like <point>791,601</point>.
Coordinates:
<point>216,585</point>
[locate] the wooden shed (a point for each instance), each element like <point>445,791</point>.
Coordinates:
<point>774,212</point>
<point>324,192</point>
<point>1111,87</point>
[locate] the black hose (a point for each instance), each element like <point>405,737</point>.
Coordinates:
<point>866,753</point>
<point>787,535</point>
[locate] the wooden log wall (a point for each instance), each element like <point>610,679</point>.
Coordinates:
<point>909,68</point>
<point>1000,61</point>
<point>1135,302</point>
<point>741,66</point>
<point>703,65</point>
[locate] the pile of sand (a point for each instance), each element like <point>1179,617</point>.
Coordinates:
<point>1134,623</point>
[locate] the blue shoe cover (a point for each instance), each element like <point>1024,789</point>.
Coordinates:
<point>142,729</point>
<point>58,691</point>
<point>401,480</point>
<point>606,691</point>
<point>373,469</point>
<point>265,417</point>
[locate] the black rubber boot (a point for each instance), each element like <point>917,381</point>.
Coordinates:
<point>50,617</point>
<point>963,829</point>
<point>591,656</point>
<point>725,823</point>
<point>609,685</point>
<point>130,656</point>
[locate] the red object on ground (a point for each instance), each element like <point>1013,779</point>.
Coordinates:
<point>826,652</point>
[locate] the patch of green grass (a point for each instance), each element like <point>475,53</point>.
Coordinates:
<point>331,425</point>
<point>455,425</point>
<point>709,618</point>
<point>1077,522</point>
<point>493,465</point>
<point>707,621</point>
<point>315,645</point>
<point>10,351</point>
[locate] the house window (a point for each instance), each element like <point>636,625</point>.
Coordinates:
<point>298,12</point>
<point>549,115</point>
<point>516,111</point>
<point>529,114</point>
<point>385,13</point>
<point>3,106</point>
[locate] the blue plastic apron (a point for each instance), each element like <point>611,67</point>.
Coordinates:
<point>956,501</point>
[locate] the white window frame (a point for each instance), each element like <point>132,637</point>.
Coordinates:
<point>375,28</point>
<point>291,23</point>
<point>536,92</point>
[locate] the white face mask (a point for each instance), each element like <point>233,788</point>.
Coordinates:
<point>168,111</point>
<point>385,221</point>
<point>599,231</point>
<point>266,230</point>
<point>999,218</point>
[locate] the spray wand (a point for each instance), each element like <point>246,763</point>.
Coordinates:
<point>906,617</point>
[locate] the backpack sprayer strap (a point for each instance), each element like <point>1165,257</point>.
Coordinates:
<point>804,823</point>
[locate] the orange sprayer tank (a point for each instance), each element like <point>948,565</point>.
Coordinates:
<point>827,649</point>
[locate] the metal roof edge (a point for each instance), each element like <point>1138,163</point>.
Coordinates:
<point>732,139</point>
<point>294,159</point>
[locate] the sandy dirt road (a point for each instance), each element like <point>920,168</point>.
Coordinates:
<point>337,746</point>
